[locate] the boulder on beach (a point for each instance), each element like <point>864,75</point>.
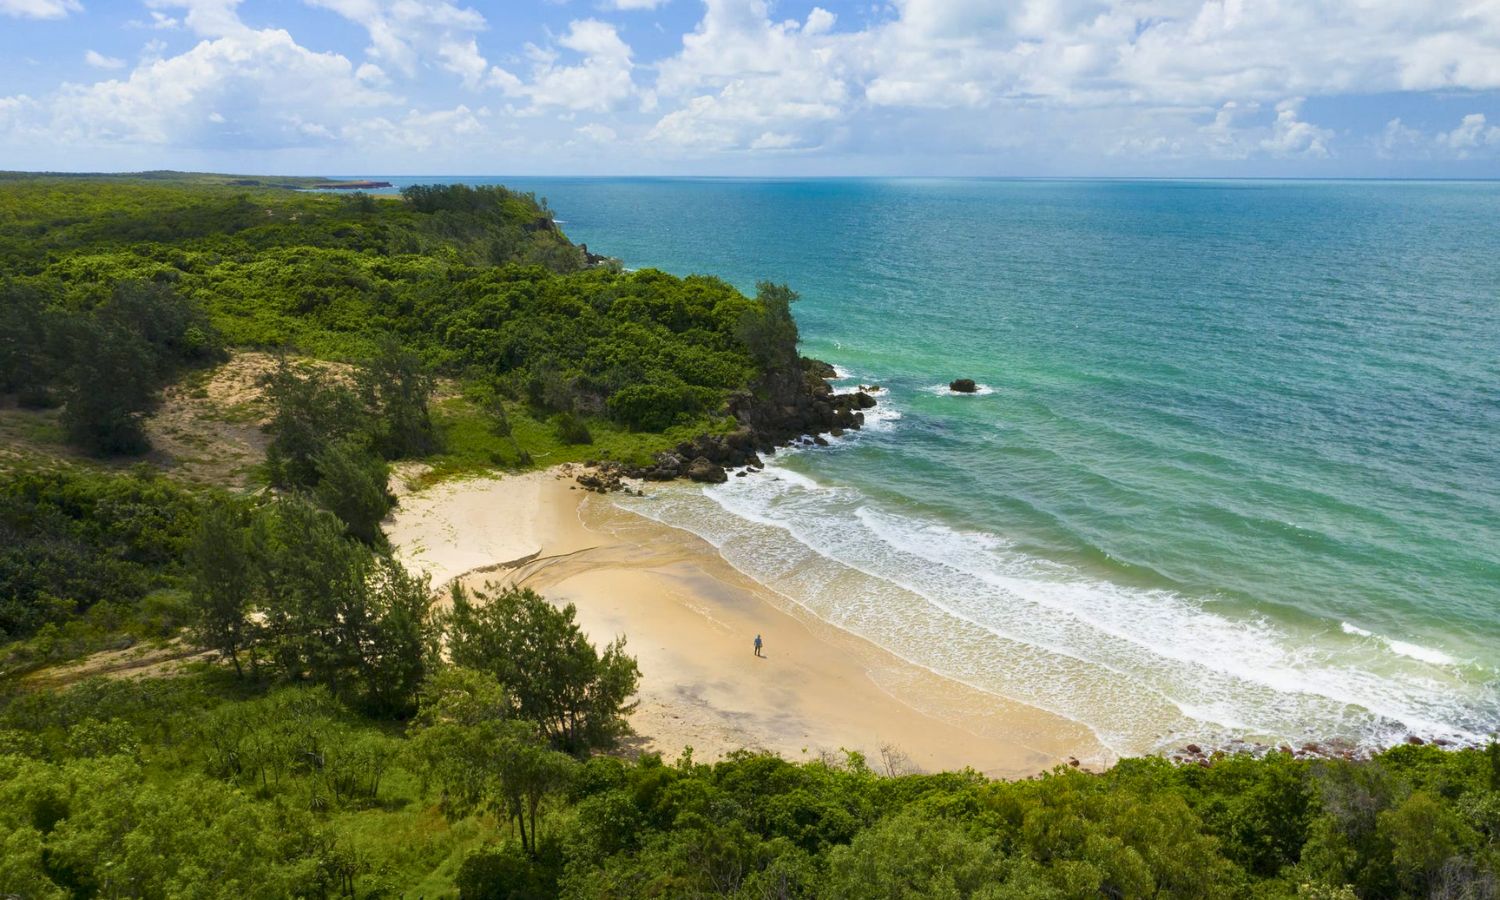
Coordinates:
<point>963,386</point>
<point>702,470</point>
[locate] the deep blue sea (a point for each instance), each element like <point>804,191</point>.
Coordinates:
<point>1234,470</point>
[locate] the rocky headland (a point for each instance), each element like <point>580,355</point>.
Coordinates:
<point>782,407</point>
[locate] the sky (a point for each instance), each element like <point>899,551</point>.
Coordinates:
<point>1155,88</point>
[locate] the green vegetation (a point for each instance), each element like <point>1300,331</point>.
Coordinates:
<point>86,556</point>
<point>214,786</point>
<point>473,286</point>
<point>352,742</point>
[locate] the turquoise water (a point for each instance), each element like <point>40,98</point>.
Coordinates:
<point>1235,471</point>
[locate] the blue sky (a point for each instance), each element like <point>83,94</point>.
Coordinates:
<point>1364,88</point>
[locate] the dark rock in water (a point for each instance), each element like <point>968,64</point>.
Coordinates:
<point>1441,742</point>
<point>863,400</point>
<point>963,386</point>
<point>1193,748</point>
<point>1414,740</point>
<point>820,440</point>
<point>1073,761</point>
<point>836,432</point>
<point>703,470</point>
<point>740,474</point>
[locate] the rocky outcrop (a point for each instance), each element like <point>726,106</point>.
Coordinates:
<point>705,471</point>
<point>963,386</point>
<point>782,407</point>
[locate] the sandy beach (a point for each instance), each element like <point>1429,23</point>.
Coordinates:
<point>690,619</point>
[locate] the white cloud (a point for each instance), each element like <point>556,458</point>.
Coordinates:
<point>1472,138</point>
<point>741,77</point>
<point>100,61</point>
<point>39,9</point>
<point>462,58</point>
<point>921,80</point>
<point>600,82</point>
<point>819,21</point>
<point>208,18</point>
<point>419,131</point>
<point>1471,134</point>
<point>597,132</point>
<point>403,33</point>
<point>1291,136</point>
<point>280,92</point>
<point>1398,141</point>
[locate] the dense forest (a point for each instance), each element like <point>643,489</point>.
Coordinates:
<point>341,735</point>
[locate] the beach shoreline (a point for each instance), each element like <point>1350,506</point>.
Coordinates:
<point>690,619</point>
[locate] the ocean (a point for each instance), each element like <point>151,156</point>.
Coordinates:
<point>1233,471</point>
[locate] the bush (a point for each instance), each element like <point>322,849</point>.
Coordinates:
<point>652,406</point>
<point>571,429</point>
<point>505,873</point>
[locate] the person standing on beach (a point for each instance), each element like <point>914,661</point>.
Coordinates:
<point>757,645</point>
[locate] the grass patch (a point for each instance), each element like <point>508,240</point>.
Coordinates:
<point>471,446</point>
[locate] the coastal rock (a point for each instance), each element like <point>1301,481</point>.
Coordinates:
<point>1414,740</point>
<point>705,471</point>
<point>786,405</point>
<point>1193,749</point>
<point>603,477</point>
<point>963,386</point>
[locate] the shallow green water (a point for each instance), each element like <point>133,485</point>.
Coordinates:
<point>1235,470</point>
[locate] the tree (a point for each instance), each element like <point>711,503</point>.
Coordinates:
<point>225,583</point>
<point>175,328</point>
<point>483,760</point>
<point>770,332</point>
<point>546,666</point>
<point>400,645</point>
<point>352,485</point>
<point>309,412</point>
<point>111,385</point>
<point>315,614</point>
<point>27,365</point>
<point>395,386</point>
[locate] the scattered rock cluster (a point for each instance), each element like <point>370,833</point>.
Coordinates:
<point>1193,754</point>
<point>963,386</point>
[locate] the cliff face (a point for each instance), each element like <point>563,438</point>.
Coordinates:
<point>784,405</point>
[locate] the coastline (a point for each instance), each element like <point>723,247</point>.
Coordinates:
<point>689,617</point>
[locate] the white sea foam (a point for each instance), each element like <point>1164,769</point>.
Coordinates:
<point>1416,651</point>
<point>1136,665</point>
<point>1404,648</point>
